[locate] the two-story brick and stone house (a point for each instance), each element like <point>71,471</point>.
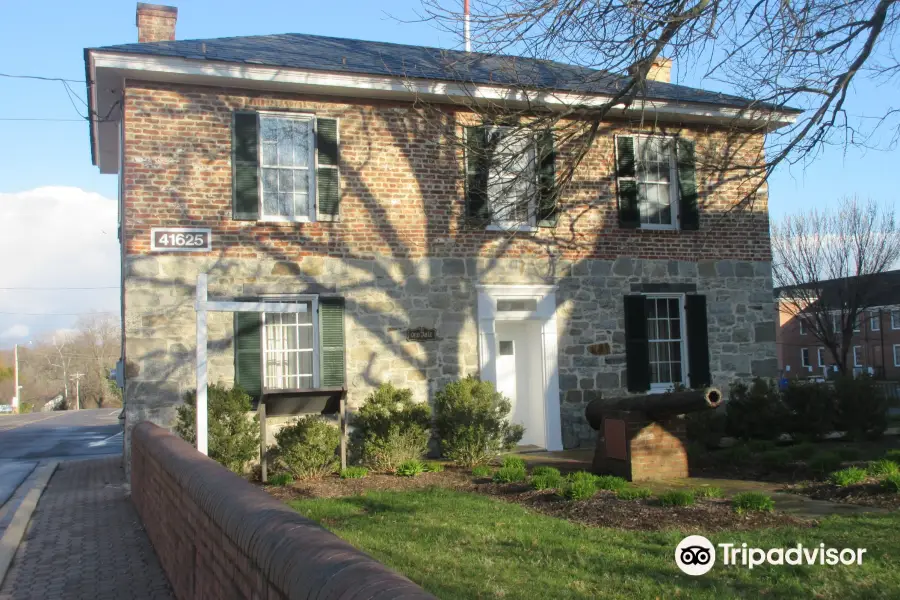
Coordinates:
<point>323,183</point>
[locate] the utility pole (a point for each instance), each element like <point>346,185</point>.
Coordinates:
<point>16,389</point>
<point>77,377</point>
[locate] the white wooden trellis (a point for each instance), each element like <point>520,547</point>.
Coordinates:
<point>203,306</point>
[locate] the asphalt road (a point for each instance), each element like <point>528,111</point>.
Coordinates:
<point>61,434</point>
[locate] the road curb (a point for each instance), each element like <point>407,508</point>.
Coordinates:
<point>13,535</point>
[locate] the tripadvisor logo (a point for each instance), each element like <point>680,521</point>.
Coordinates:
<point>696,555</point>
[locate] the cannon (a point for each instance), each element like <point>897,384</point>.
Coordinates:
<point>644,437</point>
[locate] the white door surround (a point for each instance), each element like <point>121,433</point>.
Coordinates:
<point>520,303</point>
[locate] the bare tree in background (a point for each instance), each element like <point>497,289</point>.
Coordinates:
<point>802,54</point>
<point>829,261</point>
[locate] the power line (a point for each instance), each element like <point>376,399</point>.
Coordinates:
<point>106,312</point>
<point>42,119</point>
<point>41,78</point>
<point>106,287</point>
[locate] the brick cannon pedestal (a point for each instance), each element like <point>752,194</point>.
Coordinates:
<point>637,448</point>
<point>645,437</point>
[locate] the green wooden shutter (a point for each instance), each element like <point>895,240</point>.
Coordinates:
<point>245,167</point>
<point>637,348</point>
<point>697,341</point>
<point>687,185</point>
<point>626,182</point>
<point>328,184</point>
<point>248,352</point>
<point>477,167</point>
<point>331,341</point>
<point>547,194</point>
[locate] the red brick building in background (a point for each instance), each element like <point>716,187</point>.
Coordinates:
<point>875,343</point>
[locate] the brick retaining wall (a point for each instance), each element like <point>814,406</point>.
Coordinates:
<point>218,536</point>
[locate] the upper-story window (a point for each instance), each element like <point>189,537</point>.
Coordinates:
<point>656,182</point>
<point>510,177</point>
<point>895,319</point>
<point>285,167</point>
<point>875,320</point>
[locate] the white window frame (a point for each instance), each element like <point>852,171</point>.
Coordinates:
<point>313,301</point>
<point>682,310</point>
<point>875,320</point>
<point>856,356</point>
<point>674,193</point>
<point>857,323</point>
<point>531,225</point>
<point>837,322</point>
<point>820,355</point>
<point>895,318</point>
<point>802,327</point>
<point>312,193</point>
<point>897,355</point>
<point>804,358</point>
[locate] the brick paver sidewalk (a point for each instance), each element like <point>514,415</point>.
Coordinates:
<point>85,541</point>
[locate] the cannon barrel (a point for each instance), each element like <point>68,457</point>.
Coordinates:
<point>655,406</point>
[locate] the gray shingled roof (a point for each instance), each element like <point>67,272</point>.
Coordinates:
<point>881,289</point>
<point>320,53</point>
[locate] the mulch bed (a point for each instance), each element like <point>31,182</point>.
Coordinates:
<point>865,494</point>
<point>603,510</point>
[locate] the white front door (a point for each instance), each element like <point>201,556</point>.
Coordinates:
<point>520,377</point>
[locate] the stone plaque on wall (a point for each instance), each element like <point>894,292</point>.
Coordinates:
<point>421,334</point>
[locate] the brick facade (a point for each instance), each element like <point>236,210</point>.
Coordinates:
<point>403,256</point>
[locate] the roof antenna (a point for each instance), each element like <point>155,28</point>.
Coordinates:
<point>466,32</point>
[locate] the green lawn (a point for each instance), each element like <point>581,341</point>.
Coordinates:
<point>463,545</point>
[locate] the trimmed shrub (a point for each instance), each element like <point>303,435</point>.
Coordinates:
<point>434,467</point>
<point>410,468</point>
<point>893,455</point>
<point>391,428</point>
<point>861,407</point>
<point>753,502</point>
<point>706,427</point>
<point>802,451</point>
<point>510,472</point>
<point>610,482</point>
<point>544,470</point>
<point>709,492</point>
<point>755,411</point>
<point>633,493</point>
<point>775,459</point>
<point>883,468</point>
<point>281,479</point>
<point>676,498</point>
<point>482,471</point>
<point>824,462</point>
<point>354,473</point>
<point>812,409</point>
<point>848,476</point>
<point>580,486</point>
<point>308,448</point>
<point>547,481</point>
<point>233,434</point>
<point>472,422</point>
<point>891,483</point>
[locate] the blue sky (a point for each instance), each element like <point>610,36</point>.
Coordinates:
<point>47,38</point>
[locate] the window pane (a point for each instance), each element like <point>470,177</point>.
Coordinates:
<point>269,154</point>
<point>511,177</point>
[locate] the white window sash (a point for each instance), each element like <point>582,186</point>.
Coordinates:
<point>804,357</point>
<point>672,183</point>
<point>310,170</point>
<point>312,303</point>
<point>820,354</point>
<point>875,321</point>
<point>895,319</point>
<point>666,386</point>
<point>856,356</point>
<point>508,177</point>
<point>897,355</point>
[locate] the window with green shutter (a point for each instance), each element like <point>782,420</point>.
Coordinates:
<point>331,340</point>
<point>477,166</point>
<point>656,182</point>
<point>697,341</point>
<point>285,167</point>
<point>548,215</point>
<point>637,353</point>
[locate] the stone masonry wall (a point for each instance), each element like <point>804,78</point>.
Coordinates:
<point>384,298</point>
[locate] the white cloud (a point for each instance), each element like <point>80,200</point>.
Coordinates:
<point>56,237</point>
<point>16,331</point>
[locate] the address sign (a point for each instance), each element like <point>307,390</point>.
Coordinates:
<point>180,240</point>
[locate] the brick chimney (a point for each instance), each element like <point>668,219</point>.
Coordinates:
<point>156,23</point>
<point>660,71</point>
